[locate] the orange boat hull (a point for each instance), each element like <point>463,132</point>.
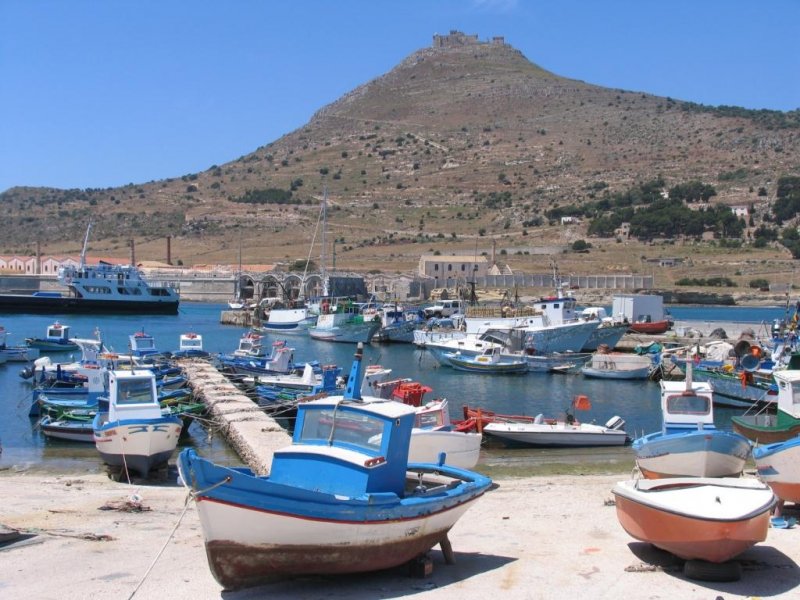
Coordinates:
<point>691,538</point>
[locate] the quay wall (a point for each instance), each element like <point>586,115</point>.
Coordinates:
<point>254,435</point>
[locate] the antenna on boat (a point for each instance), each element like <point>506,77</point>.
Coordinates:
<point>85,244</point>
<point>352,390</point>
<point>688,375</point>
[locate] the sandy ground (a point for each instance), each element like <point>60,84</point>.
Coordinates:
<point>537,537</point>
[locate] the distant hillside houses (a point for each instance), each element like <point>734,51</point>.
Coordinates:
<point>49,265</point>
<point>740,211</point>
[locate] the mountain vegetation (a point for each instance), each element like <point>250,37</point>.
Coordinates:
<point>468,146</point>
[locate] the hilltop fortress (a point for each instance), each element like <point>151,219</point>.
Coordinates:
<point>456,39</point>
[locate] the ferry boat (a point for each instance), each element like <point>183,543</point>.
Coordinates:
<point>100,288</point>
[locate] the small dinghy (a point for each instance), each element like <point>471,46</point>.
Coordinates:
<point>704,518</point>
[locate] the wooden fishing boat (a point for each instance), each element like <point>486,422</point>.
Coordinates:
<point>343,498</point>
<point>777,421</point>
<point>190,345</point>
<point>689,444</point>
<point>56,339</point>
<point>778,466</point>
<point>491,361</point>
<point>694,518</point>
<point>133,433</point>
<point>618,365</point>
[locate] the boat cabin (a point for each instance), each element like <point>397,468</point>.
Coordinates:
<point>346,447</point>
<point>788,381</point>
<point>249,345</point>
<point>686,407</point>
<point>132,395</point>
<point>142,344</point>
<point>190,342</point>
<point>57,332</point>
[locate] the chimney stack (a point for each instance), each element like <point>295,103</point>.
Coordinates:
<point>133,253</point>
<point>169,249</point>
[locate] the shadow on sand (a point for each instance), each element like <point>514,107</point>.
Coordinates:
<point>391,583</point>
<point>765,570</point>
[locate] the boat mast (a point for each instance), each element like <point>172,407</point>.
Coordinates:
<point>85,244</point>
<point>324,227</point>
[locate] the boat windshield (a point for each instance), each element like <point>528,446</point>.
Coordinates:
<point>342,427</point>
<point>135,391</point>
<point>688,404</point>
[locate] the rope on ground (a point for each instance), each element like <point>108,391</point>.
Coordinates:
<point>160,552</point>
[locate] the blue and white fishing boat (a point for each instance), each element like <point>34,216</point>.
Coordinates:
<point>342,498</point>
<point>778,466</point>
<point>618,365</point>
<point>689,444</point>
<point>294,319</point>
<point>15,353</point>
<point>142,345</point>
<point>491,361</point>
<point>398,324</point>
<point>56,339</point>
<point>190,345</point>
<point>133,433</point>
<point>280,360</point>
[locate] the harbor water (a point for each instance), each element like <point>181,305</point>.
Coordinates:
<point>637,402</point>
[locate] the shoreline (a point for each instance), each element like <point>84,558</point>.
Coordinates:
<point>546,536</point>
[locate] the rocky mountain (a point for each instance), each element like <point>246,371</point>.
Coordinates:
<point>461,143</point>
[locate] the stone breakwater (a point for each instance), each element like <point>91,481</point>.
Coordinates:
<point>252,434</point>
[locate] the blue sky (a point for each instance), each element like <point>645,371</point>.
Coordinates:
<point>104,93</point>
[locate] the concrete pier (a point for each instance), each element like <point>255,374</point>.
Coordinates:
<point>251,433</point>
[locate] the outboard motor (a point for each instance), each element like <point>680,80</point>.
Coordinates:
<point>615,422</point>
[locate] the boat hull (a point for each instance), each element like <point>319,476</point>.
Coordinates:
<point>561,362</point>
<point>558,434</point>
<point>22,303</point>
<point>693,454</point>
<point>610,335</point>
<point>778,466</point>
<point>256,531</point>
<point>71,431</point>
<point>137,445</point>
<point>473,365</point>
<point>348,334</point>
<point>654,327</point>
<point>766,428</point>
<point>461,449</point>
<point>706,519</point>
<point>639,373</point>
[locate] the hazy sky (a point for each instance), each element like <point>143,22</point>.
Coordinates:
<point>104,93</point>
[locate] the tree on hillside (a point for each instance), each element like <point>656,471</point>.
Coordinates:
<point>787,203</point>
<point>692,191</point>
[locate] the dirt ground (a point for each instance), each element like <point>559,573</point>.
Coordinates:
<point>534,537</point>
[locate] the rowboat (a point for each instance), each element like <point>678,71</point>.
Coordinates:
<point>696,518</point>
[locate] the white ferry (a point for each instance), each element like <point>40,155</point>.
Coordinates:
<point>97,288</point>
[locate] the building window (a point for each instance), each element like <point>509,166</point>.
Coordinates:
<point>449,267</point>
<point>463,268</point>
<point>436,267</point>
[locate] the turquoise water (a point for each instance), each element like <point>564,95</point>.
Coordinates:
<point>635,401</point>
